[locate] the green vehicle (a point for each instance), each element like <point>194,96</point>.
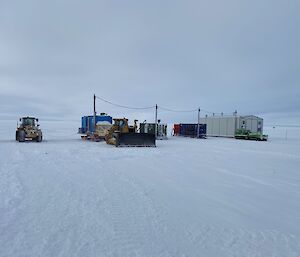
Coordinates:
<point>248,135</point>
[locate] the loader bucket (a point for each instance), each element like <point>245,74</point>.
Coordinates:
<point>135,139</point>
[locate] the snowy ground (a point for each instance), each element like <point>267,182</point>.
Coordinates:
<point>187,197</point>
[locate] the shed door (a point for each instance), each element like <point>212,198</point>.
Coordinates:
<point>259,126</point>
<point>254,125</point>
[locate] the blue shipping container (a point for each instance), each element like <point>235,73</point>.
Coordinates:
<point>87,122</point>
<point>191,130</point>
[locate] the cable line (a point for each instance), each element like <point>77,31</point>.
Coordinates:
<point>124,106</point>
<point>171,110</point>
<point>160,108</point>
<point>210,112</point>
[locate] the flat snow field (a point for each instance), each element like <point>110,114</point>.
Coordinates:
<point>186,197</point>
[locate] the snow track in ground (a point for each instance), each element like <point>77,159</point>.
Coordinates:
<point>187,197</point>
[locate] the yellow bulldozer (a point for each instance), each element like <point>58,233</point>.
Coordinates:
<point>121,134</point>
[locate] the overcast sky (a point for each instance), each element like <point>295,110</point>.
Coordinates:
<point>219,55</point>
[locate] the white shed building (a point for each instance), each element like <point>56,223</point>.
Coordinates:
<point>226,126</point>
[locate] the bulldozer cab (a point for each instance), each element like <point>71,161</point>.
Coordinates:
<point>121,125</point>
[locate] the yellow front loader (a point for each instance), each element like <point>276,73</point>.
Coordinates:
<point>29,130</point>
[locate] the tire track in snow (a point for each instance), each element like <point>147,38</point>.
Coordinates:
<point>138,229</point>
<point>49,221</point>
<point>81,226</point>
<point>245,242</point>
<point>11,195</point>
<point>10,188</point>
<point>257,181</point>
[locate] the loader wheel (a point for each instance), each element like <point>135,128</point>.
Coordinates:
<point>17,136</point>
<point>39,138</point>
<point>21,137</point>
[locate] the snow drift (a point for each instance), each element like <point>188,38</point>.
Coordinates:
<point>187,197</point>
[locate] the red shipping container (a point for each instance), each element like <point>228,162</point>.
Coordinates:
<point>176,130</point>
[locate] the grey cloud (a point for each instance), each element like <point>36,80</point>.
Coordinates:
<point>220,55</point>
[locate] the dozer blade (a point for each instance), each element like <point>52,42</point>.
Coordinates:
<point>135,139</point>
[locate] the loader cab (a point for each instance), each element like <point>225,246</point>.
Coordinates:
<point>28,130</point>
<point>28,121</point>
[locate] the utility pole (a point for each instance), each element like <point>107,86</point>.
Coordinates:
<point>156,107</point>
<point>235,121</point>
<point>198,128</point>
<point>94,113</point>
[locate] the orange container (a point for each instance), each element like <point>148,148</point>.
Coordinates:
<point>176,130</point>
